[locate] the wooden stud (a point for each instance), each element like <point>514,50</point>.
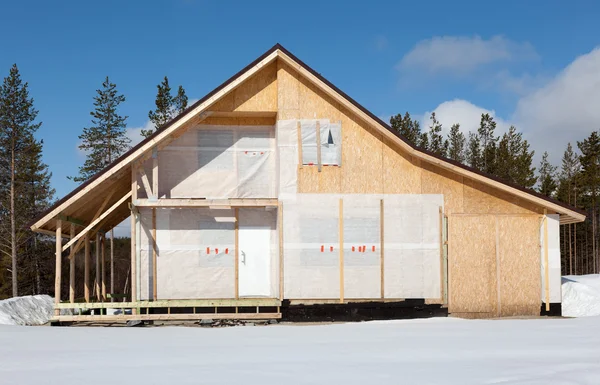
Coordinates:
<point>498,293</point>
<point>98,277</point>
<point>299,130</point>
<point>382,247</point>
<point>281,271</point>
<point>146,183</point>
<point>341,235</point>
<point>98,219</point>
<point>102,257</point>
<point>546,267</point>
<point>133,258</point>
<point>72,269</point>
<point>155,173</point>
<point>112,265</point>
<point>319,162</point>
<point>212,203</point>
<point>441,255</point>
<point>237,253</point>
<point>58,266</point>
<point>448,254</point>
<point>86,269</point>
<point>154,257</point>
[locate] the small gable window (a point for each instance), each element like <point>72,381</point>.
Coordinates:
<point>321,142</point>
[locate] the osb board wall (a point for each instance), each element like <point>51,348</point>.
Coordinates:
<point>472,264</point>
<point>242,121</point>
<point>259,93</point>
<point>519,255</point>
<point>373,164</point>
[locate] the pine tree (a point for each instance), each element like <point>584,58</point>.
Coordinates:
<point>547,177</point>
<point>167,106</point>
<point>423,141</point>
<point>437,144</point>
<point>407,127</point>
<point>590,176</point>
<point>106,139</point>
<point>514,160</point>
<point>488,142</point>
<point>473,152</point>
<point>180,101</point>
<point>17,127</point>
<point>457,143</point>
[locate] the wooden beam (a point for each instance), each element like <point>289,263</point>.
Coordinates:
<point>154,258</point>
<point>498,276</point>
<point>281,259</point>
<point>242,114</point>
<point>98,212</point>
<point>341,237</point>
<point>382,247</point>
<point>166,317</point>
<point>72,269</point>
<point>98,219</point>
<point>214,203</point>
<point>175,303</point>
<point>319,161</point>
<point>66,218</point>
<point>133,256</point>
<point>98,276</point>
<point>155,173</point>
<point>58,266</point>
<point>103,257</point>
<point>546,267</point>
<point>145,182</point>
<point>237,252</point>
<point>86,269</point>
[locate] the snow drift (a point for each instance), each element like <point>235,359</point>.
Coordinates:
<point>581,295</point>
<point>28,310</point>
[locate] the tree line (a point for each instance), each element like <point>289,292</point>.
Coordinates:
<point>27,258</point>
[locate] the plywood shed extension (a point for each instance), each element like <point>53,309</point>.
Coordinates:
<point>278,186</point>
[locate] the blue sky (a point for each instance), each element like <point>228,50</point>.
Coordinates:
<point>531,63</point>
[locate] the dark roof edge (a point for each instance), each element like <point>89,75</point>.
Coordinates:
<point>329,84</point>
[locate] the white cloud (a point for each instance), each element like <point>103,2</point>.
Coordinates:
<point>464,113</point>
<point>461,55</point>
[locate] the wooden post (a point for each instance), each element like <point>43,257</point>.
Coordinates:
<point>546,268</point>
<point>155,173</point>
<point>382,248</point>
<point>341,234</point>
<point>102,257</point>
<point>112,265</point>
<point>58,270</point>
<point>133,261</point>
<point>498,293</point>
<point>448,255</point>
<point>154,259</point>
<point>318,130</point>
<point>86,269</point>
<point>72,268</point>
<point>237,252</point>
<point>280,225</point>
<point>98,276</point>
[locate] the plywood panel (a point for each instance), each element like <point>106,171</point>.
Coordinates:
<point>482,199</point>
<point>401,173</point>
<point>259,93</point>
<point>519,254</point>
<point>244,121</point>
<point>310,180</point>
<point>435,180</point>
<point>288,96</point>
<point>472,264</point>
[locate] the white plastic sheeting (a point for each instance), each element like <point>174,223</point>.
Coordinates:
<point>553,259</point>
<point>330,141</point>
<point>287,147</point>
<point>312,241</point>
<point>219,162</point>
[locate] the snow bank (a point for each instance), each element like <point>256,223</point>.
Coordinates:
<point>581,295</point>
<point>28,310</point>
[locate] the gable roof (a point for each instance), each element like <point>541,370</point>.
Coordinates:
<point>119,168</point>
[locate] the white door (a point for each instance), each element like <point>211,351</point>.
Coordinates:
<point>254,255</point>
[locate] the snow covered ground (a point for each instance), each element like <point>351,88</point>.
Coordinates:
<point>581,295</point>
<point>434,351</point>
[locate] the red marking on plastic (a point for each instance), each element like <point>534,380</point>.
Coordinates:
<point>330,248</point>
<point>246,152</point>
<point>208,250</point>
<point>262,153</point>
<point>373,248</point>
<point>226,251</point>
<point>216,251</point>
<point>311,164</point>
<point>353,248</point>
<point>364,248</point>
<point>322,248</point>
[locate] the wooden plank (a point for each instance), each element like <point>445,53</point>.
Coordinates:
<point>299,130</point>
<point>498,291</point>
<point>165,134</point>
<point>86,269</point>
<point>341,236</point>
<point>226,203</point>
<point>175,303</point>
<point>382,247</point>
<point>319,161</point>
<point>242,114</point>
<point>98,219</point>
<point>546,269</point>
<point>154,258</point>
<point>166,317</point>
<point>237,253</point>
<point>72,269</point>
<point>98,276</point>
<point>133,256</point>
<point>58,266</point>
<point>154,173</point>
<point>145,182</point>
<point>281,258</point>
<point>102,257</point>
